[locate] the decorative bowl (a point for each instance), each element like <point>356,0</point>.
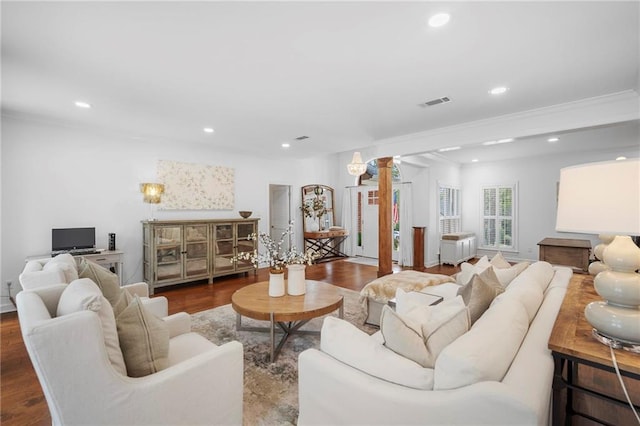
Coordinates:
<point>245,214</point>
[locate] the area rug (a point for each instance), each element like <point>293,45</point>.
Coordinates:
<point>271,389</point>
<point>363,260</point>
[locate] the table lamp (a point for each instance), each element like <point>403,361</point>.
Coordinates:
<point>604,198</point>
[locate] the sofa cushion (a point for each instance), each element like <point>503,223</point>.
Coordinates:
<point>506,275</point>
<point>538,273</point>
<point>66,263</point>
<point>352,346</point>
<point>424,331</point>
<point>468,270</point>
<point>480,292</point>
<point>107,281</point>
<point>84,295</point>
<point>530,296</point>
<point>144,340</point>
<point>486,351</point>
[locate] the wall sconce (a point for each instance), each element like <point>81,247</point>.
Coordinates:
<point>356,167</point>
<point>152,192</point>
<point>604,198</point>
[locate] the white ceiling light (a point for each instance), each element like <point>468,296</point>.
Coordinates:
<point>439,20</point>
<point>82,104</point>
<point>553,140</point>
<point>475,160</point>
<point>621,158</point>
<point>499,141</point>
<point>208,130</point>
<point>498,90</point>
<point>452,148</point>
<point>286,145</point>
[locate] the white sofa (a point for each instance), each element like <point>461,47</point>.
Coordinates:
<point>202,384</point>
<point>485,376</point>
<point>63,269</point>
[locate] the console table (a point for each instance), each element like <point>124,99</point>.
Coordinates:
<point>566,252</point>
<point>326,243</point>
<point>584,382</point>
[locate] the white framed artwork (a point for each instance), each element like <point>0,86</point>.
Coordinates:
<point>191,186</point>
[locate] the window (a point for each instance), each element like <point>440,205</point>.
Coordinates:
<point>499,216</point>
<point>449,210</point>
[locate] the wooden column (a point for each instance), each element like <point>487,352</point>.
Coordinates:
<point>385,165</point>
<point>418,248</point>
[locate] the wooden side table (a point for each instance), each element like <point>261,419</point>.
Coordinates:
<point>584,383</point>
<point>566,252</point>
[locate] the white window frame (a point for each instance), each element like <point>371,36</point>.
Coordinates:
<point>455,209</point>
<point>513,247</point>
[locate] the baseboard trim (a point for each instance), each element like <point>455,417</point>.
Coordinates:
<point>7,307</point>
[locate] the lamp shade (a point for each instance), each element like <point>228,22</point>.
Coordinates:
<point>356,167</point>
<point>600,198</point>
<point>152,192</point>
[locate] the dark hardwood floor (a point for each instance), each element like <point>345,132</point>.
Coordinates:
<point>21,399</point>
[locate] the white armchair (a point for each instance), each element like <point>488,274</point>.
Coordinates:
<point>203,383</point>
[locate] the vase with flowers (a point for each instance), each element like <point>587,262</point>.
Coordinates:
<point>314,208</point>
<point>278,257</point>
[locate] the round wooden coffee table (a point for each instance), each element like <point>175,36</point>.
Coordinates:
<point>288,312</point>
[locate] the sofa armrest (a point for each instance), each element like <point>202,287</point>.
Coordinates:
<point>178,324</point>
<point>159,306</point>
<point>141,289</point>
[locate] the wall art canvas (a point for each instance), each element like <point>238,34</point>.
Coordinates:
<point>190,186</point>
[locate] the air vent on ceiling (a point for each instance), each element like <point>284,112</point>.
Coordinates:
<point>301,138</point>
<point>437,101</point>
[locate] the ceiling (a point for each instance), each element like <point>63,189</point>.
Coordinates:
<point>345,74</point>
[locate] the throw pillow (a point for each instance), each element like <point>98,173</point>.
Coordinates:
<point>106,280</point>
<point>66,263</point>
<point>425,331</point>
<point>498,261</point>
<point>407,300</point>
<point>467,270</point>
<point>480,292</point>
<point>505,276</point>
<point>84,295</point>
<point>144,340</point>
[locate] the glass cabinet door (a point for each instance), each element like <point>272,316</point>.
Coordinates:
<point>224,247</point>
<point>168,242</point>
<point>243,243</point>
<point>196,250</point>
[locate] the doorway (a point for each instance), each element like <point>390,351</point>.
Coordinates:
<point>279,213</point>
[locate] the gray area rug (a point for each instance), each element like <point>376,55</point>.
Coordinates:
<point>270,390</point>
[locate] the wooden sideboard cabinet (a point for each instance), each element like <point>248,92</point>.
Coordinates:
<point>457,247</point>
<point>179,251</point>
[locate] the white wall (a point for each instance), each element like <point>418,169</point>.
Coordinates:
<point>55,177</point>
<point>537,180</point>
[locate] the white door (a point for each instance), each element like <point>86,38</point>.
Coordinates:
<point>279,212</point>
<point>369,224</point>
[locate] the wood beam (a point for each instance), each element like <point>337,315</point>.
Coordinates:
<point>385,166</point>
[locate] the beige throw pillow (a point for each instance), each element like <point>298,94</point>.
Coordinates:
<point>425,331</point>
<point>480,292</point>
<point>505,276</point>
<point>144,340</point>
<point>106,280</point>
<point>498,261</point>
<point>467,270</point>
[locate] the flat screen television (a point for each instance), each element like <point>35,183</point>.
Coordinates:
<point>72,238</point>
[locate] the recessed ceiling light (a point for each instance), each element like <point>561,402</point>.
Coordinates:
<point>553,140</point>
<point>208,130</point>
<point>475,160</point>
<point>82,104</point>
<point>621,158</point>
<point>452,148</point>
<point>499,141</point>
<point>498,90</point>
<point>439,19</point>
<point>286,145</point>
